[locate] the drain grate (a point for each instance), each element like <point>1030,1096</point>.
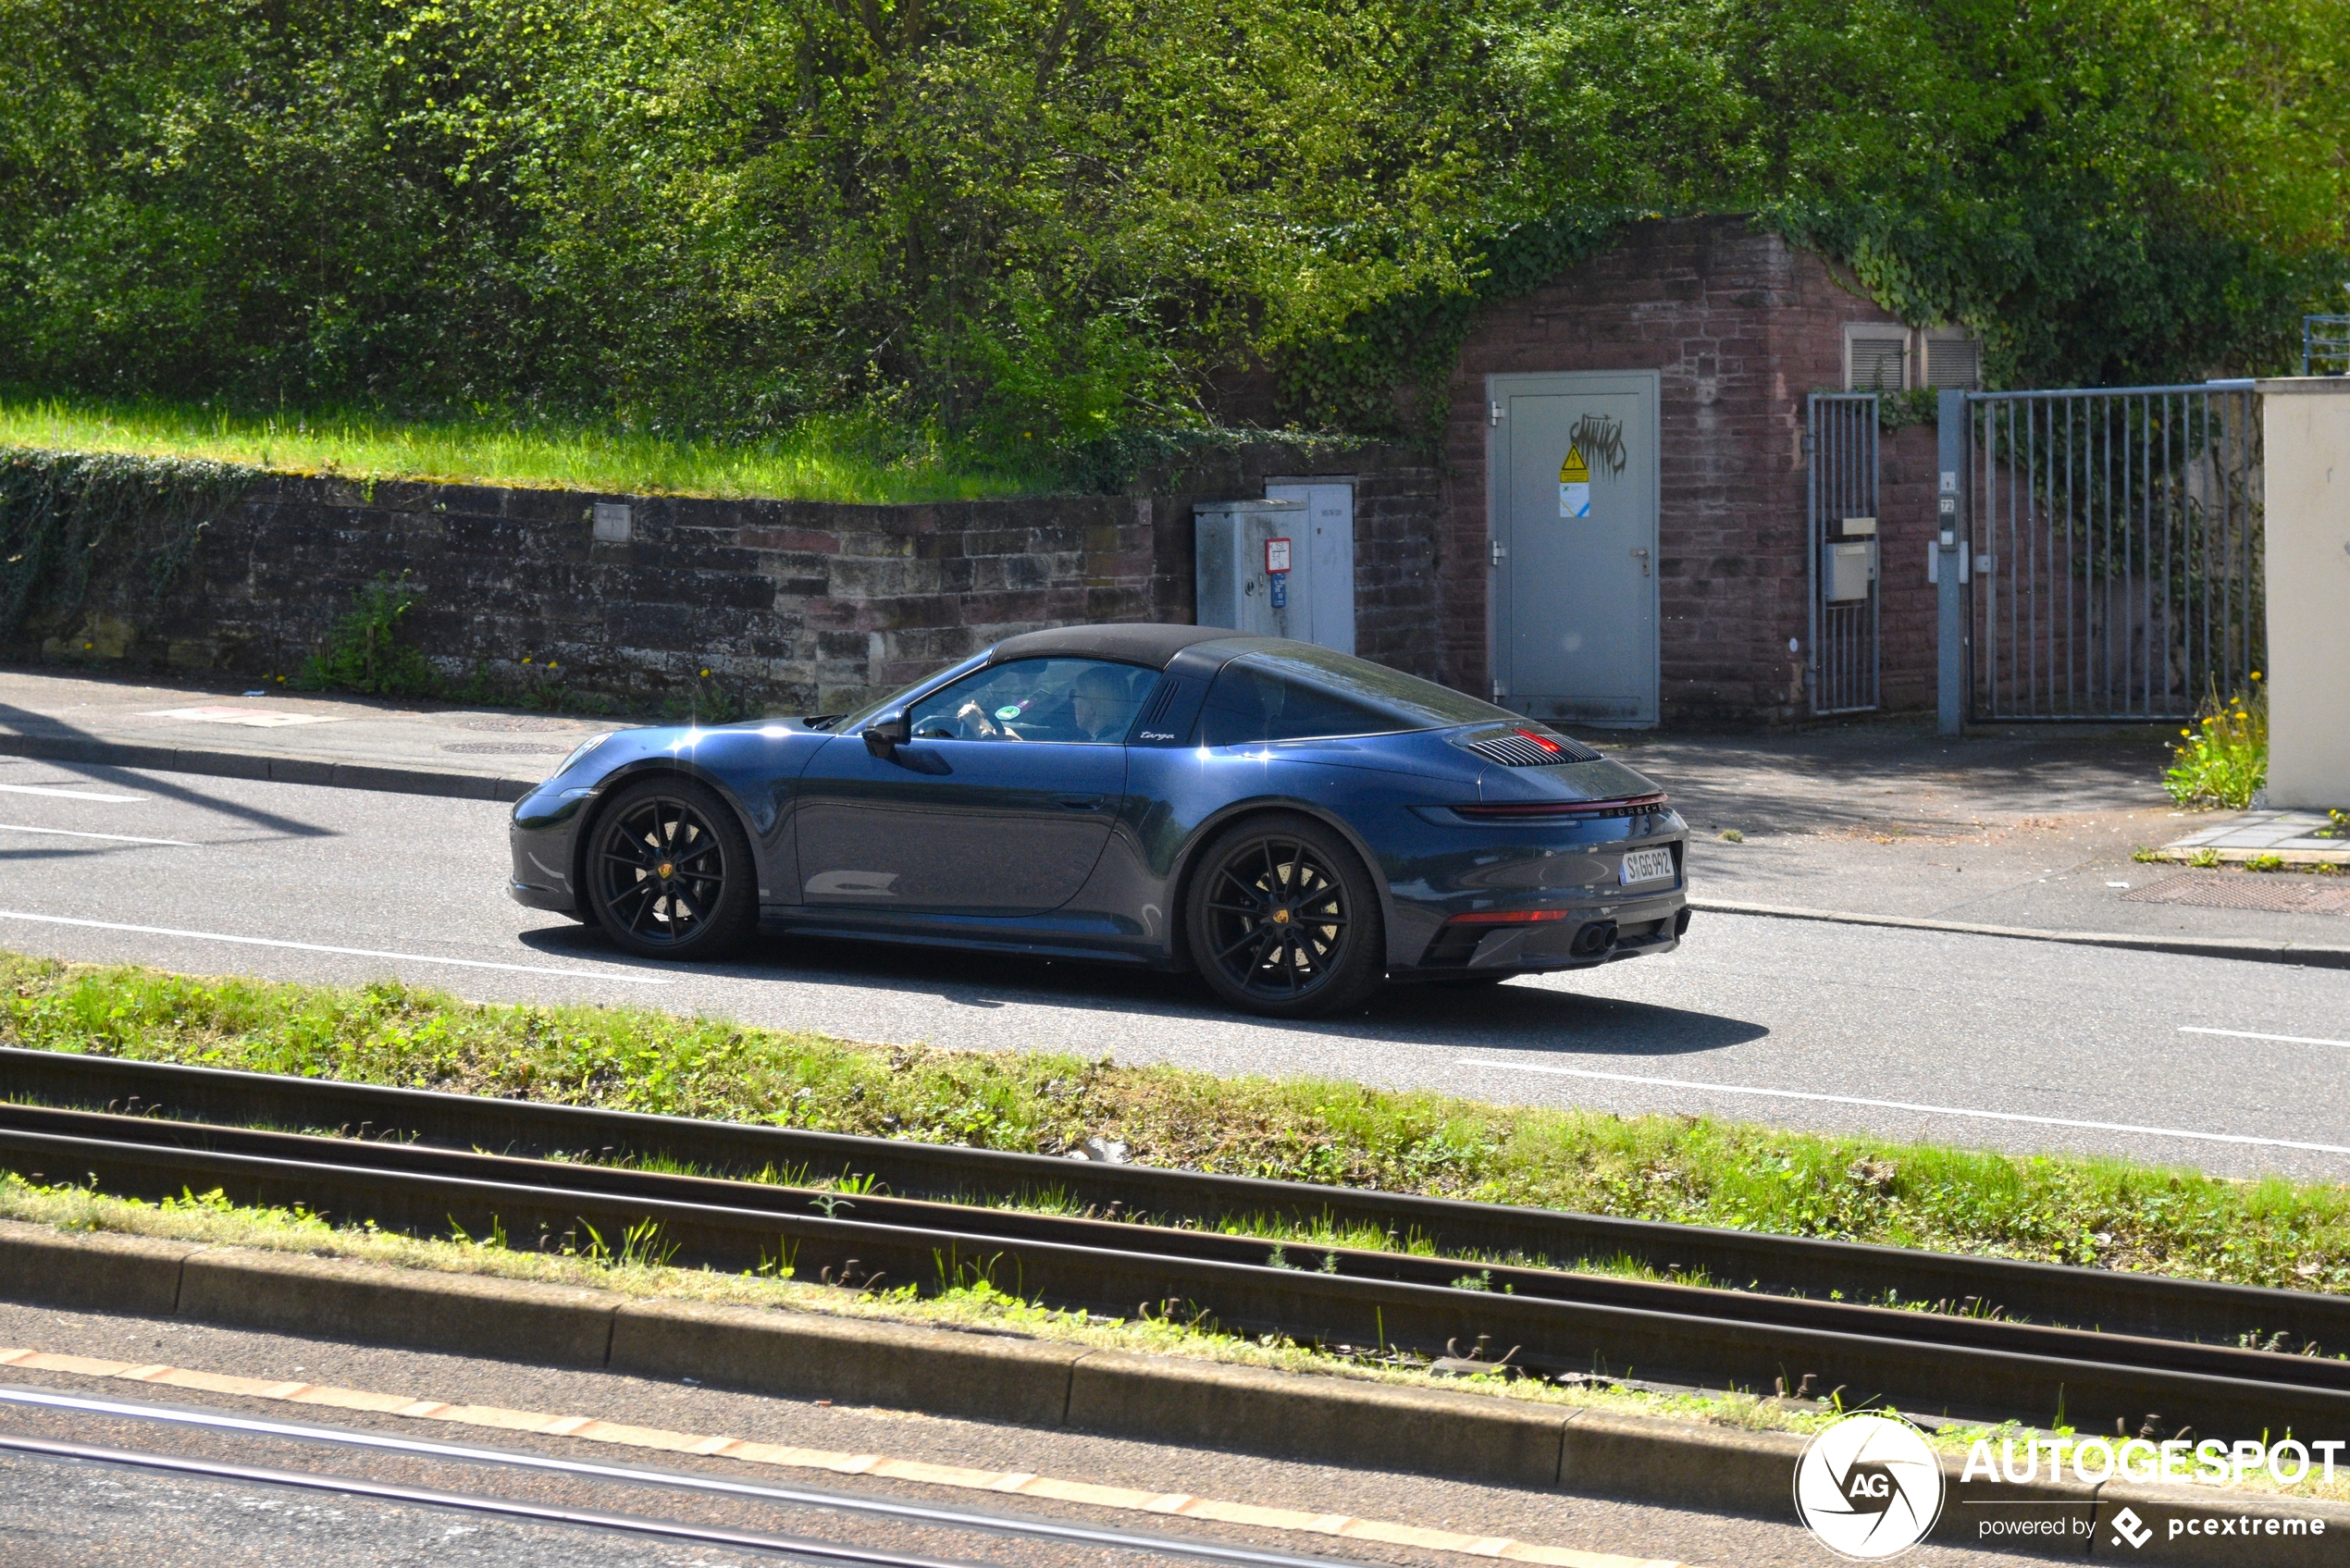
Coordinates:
<point>505,748</point>
<point>2248,890</point>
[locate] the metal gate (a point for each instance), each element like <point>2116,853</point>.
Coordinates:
<point>2115,546</point>
<point>1841,438</point>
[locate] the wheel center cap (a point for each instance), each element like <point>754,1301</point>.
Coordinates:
<point>667,868</point>
<point>1281,917</point>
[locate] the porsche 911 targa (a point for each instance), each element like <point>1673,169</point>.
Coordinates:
<point>1294,825</point>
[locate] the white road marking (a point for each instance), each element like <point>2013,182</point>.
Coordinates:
<point>110,837</point>
<point>346,952</point>
<point>2247,1035</point>
<point>69,794</point>
<point>1911,1105</point>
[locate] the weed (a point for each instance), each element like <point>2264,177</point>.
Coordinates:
<point>2145,855</point>
<point>363,652</point>
<point>2204,859</point>
<point>2265,864</point>
<point>2223,758</point>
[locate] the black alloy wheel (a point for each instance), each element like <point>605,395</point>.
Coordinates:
<point>1283,919</point>
<point>669,871</point>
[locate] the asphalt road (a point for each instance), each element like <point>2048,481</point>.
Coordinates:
<point>2236,1068</point>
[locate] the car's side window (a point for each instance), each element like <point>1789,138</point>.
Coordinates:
<point>1064,700</point>
<point>1247,705</point>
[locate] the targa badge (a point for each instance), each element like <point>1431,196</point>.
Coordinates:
<point>1575,485</point>
<point>1869,1487</point>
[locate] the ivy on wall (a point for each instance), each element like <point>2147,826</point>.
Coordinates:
<point>85,534</point>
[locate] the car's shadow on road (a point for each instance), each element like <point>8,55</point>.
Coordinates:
<point>1524,1016</point>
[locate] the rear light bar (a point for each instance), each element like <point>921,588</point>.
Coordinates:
<point>1504,811</point>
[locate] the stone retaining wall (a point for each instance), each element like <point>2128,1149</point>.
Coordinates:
<point>792,607</point>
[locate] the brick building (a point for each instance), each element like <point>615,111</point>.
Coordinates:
<point>1737,326</point>
<point>1712,331</point>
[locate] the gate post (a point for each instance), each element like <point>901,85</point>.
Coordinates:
<point>1950,520</point>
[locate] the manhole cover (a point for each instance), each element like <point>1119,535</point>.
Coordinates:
<point>2249,890</point>
<point>504,749</point>
<point>525,726</point>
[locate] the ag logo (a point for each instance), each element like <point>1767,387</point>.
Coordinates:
<point>1869,1487</point>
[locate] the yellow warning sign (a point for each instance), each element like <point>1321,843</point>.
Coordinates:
<point>1575,470</point>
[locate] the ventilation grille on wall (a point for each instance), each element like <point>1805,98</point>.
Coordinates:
<point>1953,362</point>
<point>1876,364</point>
<point>1529,748</point>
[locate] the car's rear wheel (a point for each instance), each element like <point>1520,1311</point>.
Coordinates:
<point>670,873</point>
<point>1283,918</point>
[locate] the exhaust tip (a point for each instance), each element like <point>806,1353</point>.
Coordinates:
<point>1594,939</point>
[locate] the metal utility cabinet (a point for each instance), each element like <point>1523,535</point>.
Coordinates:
<point>1260,575</point>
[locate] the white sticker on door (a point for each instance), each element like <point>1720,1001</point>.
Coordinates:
<point>1575,485</point>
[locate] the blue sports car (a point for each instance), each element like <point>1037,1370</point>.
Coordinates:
<point>1294,825</point>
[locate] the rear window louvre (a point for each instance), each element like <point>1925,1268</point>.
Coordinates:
<point>1529,748</point>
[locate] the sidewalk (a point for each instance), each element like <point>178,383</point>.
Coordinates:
<point>2016,829</point>
<point>1884,821</point>
<point>359,743</point>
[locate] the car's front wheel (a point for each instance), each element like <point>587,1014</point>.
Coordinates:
<point>1283,918</point>
<point>670,873</point>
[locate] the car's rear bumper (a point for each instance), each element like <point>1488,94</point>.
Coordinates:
<point>1568,937</point>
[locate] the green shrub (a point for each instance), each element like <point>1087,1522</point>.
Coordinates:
<point>2223,758</point>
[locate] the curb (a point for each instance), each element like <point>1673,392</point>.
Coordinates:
<point>261,765</point>
<point>2315,956</point>
<point>1003,1378</point>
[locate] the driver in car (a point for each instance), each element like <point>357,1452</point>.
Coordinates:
<point>1097,710</point>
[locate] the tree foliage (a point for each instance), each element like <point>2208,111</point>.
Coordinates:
<point>1061,222</point>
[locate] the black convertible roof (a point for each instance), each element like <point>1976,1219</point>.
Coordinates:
<point>1130,642</point>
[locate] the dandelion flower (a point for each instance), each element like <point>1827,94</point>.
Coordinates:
<point>705,674</point>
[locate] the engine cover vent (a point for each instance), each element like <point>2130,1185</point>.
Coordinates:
<point>1529,748</point>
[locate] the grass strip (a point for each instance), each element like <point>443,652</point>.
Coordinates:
<point>1698,1170</point>
<point>817,459</point>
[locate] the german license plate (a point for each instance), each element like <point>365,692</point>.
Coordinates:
<point>1647,865</point>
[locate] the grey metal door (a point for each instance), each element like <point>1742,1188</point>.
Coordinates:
<point>1572,488</point>
<point>1840,448</point>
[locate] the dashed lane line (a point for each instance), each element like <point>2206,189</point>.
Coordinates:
<point>1019,1482</point>
<point>2247,1035</point>
<point>109,838</point>
<point>344,952</point>
<point>70,794</point>
<point>1911,1105</point>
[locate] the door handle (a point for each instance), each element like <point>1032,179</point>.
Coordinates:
<point>1642,557</point>
<point>1079,802</point>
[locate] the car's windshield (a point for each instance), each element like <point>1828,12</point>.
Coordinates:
<point>857,718</point>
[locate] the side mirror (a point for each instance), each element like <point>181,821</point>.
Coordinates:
<point>886,734</point>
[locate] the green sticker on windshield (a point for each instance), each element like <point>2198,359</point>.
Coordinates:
<point>1012,713</point>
